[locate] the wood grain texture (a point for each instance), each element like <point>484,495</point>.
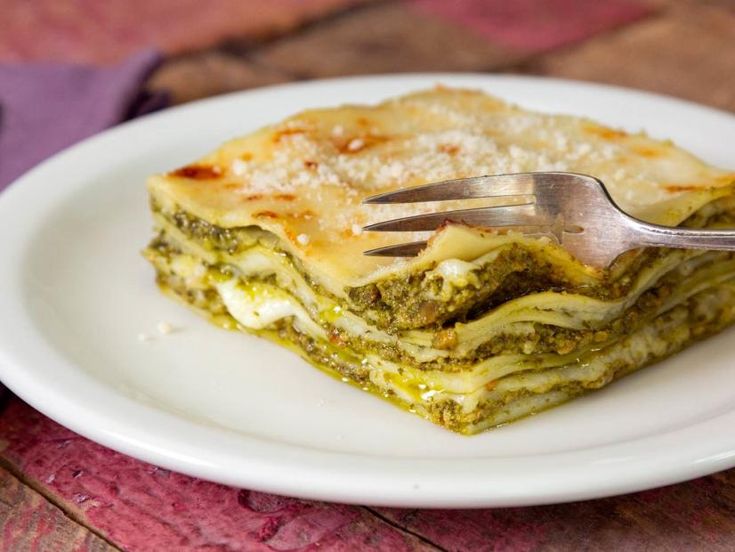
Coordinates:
<point>697,515</point>
<point>140,507</point>
<point>30,522</point>
<point>205,74</point>
<point>687,50</point>
<point>536,25</point>
<point>90,31</point>
<point>383,38</point>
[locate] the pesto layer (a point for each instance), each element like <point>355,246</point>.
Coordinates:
<point>535,338</point>
<point>510,397</point>
<point>423,300</point>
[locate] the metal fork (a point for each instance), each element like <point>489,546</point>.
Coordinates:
<point>574,209</point>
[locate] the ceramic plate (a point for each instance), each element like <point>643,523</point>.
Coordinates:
<point>75,295</point>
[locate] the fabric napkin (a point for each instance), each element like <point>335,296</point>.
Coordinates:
<point>45,107</point>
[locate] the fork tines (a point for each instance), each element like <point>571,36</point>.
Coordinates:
<point>517,210</point>
<point>514,215</point>
<point>499,185</point>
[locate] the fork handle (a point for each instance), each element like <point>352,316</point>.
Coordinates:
<point>685,238</point>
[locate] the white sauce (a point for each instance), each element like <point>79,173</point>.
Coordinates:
<point>259,310</point>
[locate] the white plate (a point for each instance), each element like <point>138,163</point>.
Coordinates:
<point>75,294</point>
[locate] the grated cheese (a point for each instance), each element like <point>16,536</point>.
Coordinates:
<point>164,328</point>
<point>437,141</point>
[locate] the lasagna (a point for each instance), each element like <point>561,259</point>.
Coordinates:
<point>484,326</point>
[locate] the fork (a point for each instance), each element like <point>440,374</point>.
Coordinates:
<point>573,209</point>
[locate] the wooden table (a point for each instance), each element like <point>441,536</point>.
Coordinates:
<point>59,491</point>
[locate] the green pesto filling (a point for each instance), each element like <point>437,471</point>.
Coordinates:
<point>544,338</point>
<point>410,302</point>
<point>495,410</point>
<point>698,326</point>
<point>337,360</point>
<point>226,240</point>
<point>209,236</point>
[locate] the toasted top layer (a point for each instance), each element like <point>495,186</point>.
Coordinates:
<point>303,179</point>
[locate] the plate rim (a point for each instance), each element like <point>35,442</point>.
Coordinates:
<point>308,472</point>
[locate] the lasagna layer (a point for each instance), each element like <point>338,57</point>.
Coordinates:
<point>477,394</point>
<point>545,322</point>
<point>485,325</point>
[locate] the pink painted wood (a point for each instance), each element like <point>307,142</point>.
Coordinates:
<point>141,507</point>
<point>137,506</point>
<point>533,25</point>
<point>29,522</point>
<point>88,31</point>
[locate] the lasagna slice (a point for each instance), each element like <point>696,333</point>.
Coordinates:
<point>484,326</point>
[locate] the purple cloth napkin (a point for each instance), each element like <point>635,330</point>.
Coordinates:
<point>46,107</point>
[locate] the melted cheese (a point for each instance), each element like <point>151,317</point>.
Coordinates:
<point>304,179</point>
<point>257,306</point>
<point>298,186</point>
<point>292,296</point>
